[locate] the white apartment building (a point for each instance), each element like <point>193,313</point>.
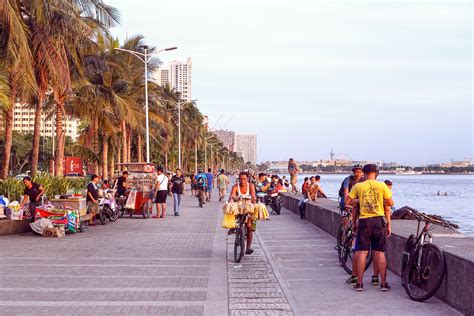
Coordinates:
<point>247,145</point>
<point>24,122</point>
<point>178,76</point>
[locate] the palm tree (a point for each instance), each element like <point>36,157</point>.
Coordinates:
<point>16,64</point>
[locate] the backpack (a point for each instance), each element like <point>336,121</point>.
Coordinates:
<point>351,184</point>
<point>200,180</point>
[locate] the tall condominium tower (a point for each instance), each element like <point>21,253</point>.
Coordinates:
<point>178,76</point>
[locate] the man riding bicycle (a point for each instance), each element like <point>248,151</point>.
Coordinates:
<point>245,191</point>
<point>200,183</point>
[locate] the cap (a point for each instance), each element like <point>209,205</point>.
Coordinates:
<point>369,168</point>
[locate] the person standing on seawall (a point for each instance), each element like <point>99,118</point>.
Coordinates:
<point>371,224</point>
<point>293,170</point>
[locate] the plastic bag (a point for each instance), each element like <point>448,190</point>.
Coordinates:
<point>17,213</point>
<point>229,221</point>
<point>39,225</point>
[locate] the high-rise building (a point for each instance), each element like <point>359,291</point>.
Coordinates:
<point>247,144</point>
<point>178,76</point>
<point>226,137</point>
<point>24,122</point>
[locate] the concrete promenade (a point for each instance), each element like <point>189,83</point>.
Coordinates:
<point>179,266</point>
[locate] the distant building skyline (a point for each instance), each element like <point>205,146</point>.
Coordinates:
<point>178,75</point>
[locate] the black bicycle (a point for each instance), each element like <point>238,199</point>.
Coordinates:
<point>345,246</point>
<point>423,263</point>
<point>200,195</point>
<point>240,236</point>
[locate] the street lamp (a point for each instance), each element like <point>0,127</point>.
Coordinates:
<point>179,106</point>
<point>145,58</point>
<point>179,130</point>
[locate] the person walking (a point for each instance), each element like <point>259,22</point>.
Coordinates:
<point>177,189</point>
<point>161,192</point>
<point>222,184</point>
<point>371,224</point>
<point>32,193</point>
<point>293,170</point>
<point>210,182</point>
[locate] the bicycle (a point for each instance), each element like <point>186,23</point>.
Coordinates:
<point>240,236</point>
<point>346,250</point>
<point>423,263</point>
<point>345,242</point>
<point>200,195</point>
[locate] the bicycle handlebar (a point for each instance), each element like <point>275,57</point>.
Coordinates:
<point>420,216</point>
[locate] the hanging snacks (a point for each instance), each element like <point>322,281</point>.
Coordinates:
<point>256,211</point>
<point>228,221</point>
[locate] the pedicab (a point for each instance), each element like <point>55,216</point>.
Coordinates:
<point>141,181</point>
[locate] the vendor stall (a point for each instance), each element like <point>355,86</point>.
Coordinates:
<point>141,180</point>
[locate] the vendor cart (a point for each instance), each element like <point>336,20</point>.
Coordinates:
<point>72,212</point>
<point>139,198</point>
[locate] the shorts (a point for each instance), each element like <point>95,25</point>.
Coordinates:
<point>209,190</point>
<point>293,179</point>
<point>371,232</point>
<point>93,208</point>
<point>253,224</point>
<point>161,196</point>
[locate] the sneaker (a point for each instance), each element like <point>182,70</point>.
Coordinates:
<point>375,280</point>
<point>385,287</point>
<point>359,287</point>
<point>352,280</point>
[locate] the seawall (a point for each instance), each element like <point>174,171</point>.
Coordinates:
<point>457,287</point>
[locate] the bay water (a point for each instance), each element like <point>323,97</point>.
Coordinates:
<point>421,192</point>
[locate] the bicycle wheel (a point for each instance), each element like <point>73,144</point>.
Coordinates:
<point>200,199</point>
<point>410,245</point>
<point>347,255</point>
<point>239,244</point>
<point>340,235</point>
<point>424,273</point>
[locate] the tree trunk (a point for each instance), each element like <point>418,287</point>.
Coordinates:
<point>60,137</point>
<point>37,135</point>
<point>166,160</point>
<point>8,141</point>
<point>105,158</point>
<point>139,148</point>
<point>112,165</point>
<point>129,145</point>
<point>124,142</point>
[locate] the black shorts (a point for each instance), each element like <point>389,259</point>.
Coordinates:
<point>371,232</point>
<point>161,196</point>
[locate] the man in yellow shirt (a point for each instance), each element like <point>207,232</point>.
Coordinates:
<point>373,225</point>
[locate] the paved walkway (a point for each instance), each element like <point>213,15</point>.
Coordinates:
<point>178,266</point>
<point>171,266</point>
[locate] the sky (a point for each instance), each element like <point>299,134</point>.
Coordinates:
<point>373,80</point>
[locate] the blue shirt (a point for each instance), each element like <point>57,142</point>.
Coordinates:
<point>204,179</point>
<point>210,177</point>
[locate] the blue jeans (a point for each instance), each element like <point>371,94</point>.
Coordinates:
<point>177,202</point>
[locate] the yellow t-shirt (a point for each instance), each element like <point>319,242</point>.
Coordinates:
<point>371,195</point>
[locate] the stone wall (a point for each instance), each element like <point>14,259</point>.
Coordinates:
<point>457,288</point>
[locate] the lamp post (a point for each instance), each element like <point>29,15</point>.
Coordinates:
<point>145,58</point>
